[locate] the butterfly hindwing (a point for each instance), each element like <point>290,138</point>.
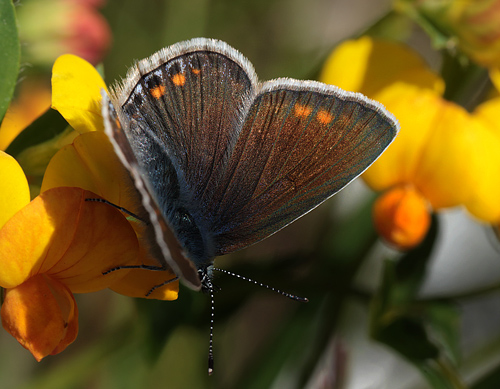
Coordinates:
<point>301,142</point>
<point>162,241</point>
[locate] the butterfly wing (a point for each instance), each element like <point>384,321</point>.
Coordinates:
<point>230,161</point>
<point>162,241</point>
<point>301,143</point>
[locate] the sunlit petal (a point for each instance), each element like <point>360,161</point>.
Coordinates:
<point>398,163</point>
<point>14,190</point>
<point>447,172</point>
<point>484,203</point>
<point>76,93</point>
<point>73,240</point>
<point>91,163</point>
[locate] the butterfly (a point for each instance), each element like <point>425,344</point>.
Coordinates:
<point>222,160</point>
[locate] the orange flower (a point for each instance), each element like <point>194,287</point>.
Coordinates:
<point>402,216</point>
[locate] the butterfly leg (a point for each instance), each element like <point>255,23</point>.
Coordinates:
<point>124,210</point>
<point>145,267</point>
<point>160,285</point>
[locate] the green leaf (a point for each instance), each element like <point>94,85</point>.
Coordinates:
<point>46,127</point>
<point>9,54</point>
<point>444,322</point>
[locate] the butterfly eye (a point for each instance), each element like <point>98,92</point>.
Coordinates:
<point>188,233</point>
<point>184,219</point>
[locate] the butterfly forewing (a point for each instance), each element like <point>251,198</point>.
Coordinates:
<point>301,142</point>
<point>188,108</point>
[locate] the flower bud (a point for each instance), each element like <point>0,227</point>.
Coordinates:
<point>402,217</point>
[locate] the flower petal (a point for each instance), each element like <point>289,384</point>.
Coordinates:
<point>61,234</point>
<point>139,282</point>
<point>398,163</point>
<point>485,143</point>
<point>495,77</point>
<point>41,314</point>
<point>76,93</point>
<point>91,163</point>
<point>14,189</point>
<point>446,175</point>
<point>366,65</point>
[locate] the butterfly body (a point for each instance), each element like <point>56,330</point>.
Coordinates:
<point>222,161</point>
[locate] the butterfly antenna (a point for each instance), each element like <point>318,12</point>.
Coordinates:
<point>211,342</point>
<point>289,295</point>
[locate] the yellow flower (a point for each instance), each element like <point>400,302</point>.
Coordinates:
<point>59,243</point>
<point>71,96</point>
<point>374,65</point>
<point>445,155</point>
<point>90,163</point>
<point>52,247</point>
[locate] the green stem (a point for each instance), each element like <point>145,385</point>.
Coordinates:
<point>466,82</point>
<point>450,374</point>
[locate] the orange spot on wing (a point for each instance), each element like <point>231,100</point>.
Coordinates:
<point>196,71</point>
<point>179,79</point>
<point>157,91</point>
<point>302,110</point>
<point>324,117</point>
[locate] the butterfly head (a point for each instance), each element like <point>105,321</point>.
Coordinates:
<point>206,274</point>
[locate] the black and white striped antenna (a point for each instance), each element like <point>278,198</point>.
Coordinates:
<point>209,287</point>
